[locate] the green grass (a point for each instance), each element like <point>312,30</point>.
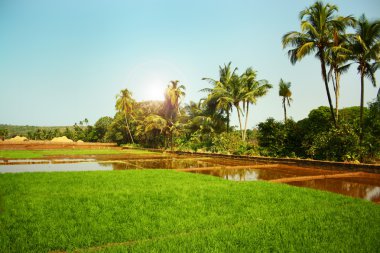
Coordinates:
<point>27,154</point>
<point>168,211</point>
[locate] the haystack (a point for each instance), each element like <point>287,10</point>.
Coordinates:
<point>61,139</point>
<point>18,138</point>
<point>80,141</point>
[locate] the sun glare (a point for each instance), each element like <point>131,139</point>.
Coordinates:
<point>155,90</point>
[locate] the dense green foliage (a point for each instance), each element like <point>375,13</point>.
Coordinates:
<point>166,211</point>
<point>347,134</point>
<point>316,137</point>
<point>9,131</point>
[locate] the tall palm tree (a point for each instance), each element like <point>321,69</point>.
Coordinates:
<point>366,52</point>
<point>124,104</point>
<point>173,95</point>
<point>317,25</point>
<point>252,90</point>
<point>219,95</point>
<point>228,92</point>
<point>337,56</point>
<point>285,93</point>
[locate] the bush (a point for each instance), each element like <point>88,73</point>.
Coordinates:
<point>337,144</point>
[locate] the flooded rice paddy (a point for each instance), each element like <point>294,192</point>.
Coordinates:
<point>355,184</point>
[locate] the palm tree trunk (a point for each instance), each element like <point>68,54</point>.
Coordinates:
<point>171,140</point>
<point>129,131</point>
<point>241,128</point>
<point>337,94</point>
<point>228,120</point>
<point>324,76</point>
<point>246,121</point>
<point>361,105</point>
<point>284,105</point>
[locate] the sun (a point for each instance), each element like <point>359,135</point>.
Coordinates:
<point>155,90</point>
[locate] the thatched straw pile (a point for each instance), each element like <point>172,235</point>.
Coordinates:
<point>18,138</point>
<point>61,139</point>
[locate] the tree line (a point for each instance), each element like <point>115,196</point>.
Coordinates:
<point>347,134</point>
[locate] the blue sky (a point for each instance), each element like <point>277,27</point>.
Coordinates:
<point>63,61</point>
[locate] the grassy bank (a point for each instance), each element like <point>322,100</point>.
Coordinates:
<point>162,210</point>
<point>28,154</point>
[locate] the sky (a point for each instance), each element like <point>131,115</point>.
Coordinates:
<point>64,61</point>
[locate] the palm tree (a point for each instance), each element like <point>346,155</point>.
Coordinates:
<point>337,56</point>
<point>124,104</point>
<point>173,95</point>
<point>317,25</point>
<point>219,95</point>
<point>252,90</point>
<point>285,93</point>
<point>366,52</point>
<point>228,92</point>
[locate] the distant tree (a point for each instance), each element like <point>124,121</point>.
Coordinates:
<point>337,56</point>
<point>271,137</point>
<point>124,104</point>
<point>371,138</point>
<point>3,133</point>
<point>252,90</point>
<point>173,96</point>
<point>366,52</point>
<point>286,94</point>
<point>101,127</point>
<point>219,97</point>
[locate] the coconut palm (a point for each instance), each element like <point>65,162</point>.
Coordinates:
<point>337,57</point>
<point>228,92</point>
<point>219,95</point>
<point>285,93</point>
<point>124,104</point>
<point>173,95</point>
<point>317,25</point>
<point>366,52</point>
<point>252,90</point>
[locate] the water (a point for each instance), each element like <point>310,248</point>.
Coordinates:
<point>50,167</point>
<point>354,187</point>
<point>263,173</point>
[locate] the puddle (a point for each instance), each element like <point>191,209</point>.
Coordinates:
<point>43,161</point>
<point>263,173</point>
<point>90,166</point>
<point>354,187</point>
<point>170,164</point>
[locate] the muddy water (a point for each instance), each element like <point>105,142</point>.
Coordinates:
<point>354,187</point>
<point>264,173</point>
<point>171,163</point>
<point>88,166</point>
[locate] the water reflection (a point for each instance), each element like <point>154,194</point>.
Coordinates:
<point>168,164</point>
<point>259,174</point>
<point>354,187</point>
<point>88,166</point>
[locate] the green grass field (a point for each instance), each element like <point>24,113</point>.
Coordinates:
<point>168,211</point>
<point>28,154</point>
